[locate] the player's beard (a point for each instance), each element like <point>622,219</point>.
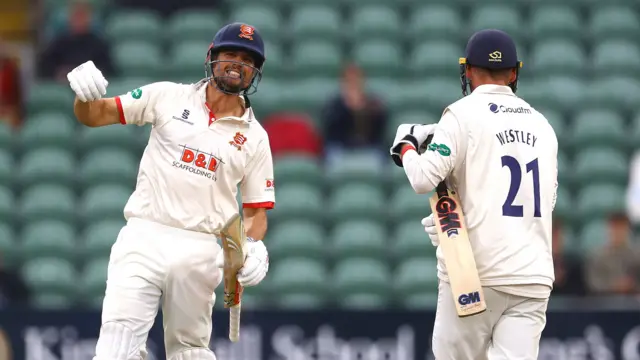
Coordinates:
<point>231,84</point>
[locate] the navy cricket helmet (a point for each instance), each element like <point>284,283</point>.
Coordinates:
<point>236,36</point>
<point>490,49</point>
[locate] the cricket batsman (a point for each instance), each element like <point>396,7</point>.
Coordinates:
<point>500,155</point>
<point>204,142</point>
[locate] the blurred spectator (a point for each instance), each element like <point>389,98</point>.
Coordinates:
<point>353,119</point>
<point>292,133</point>
<point>78,45</point>
<point>567,267</point>
<point>615,268</point>
<point>13,290</point>
<point>10,90</point>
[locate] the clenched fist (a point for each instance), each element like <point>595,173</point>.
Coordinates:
<point>87,82</point>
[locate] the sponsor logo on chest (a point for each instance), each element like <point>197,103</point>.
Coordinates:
<point>198,162</point>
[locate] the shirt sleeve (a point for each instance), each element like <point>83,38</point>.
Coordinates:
<point>138,107</point>
<point>446,152</point>
<point>258,186</point>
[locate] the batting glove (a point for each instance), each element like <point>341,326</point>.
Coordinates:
<point>409,134</point>
<point>88,82</point>
<point>430,228</point>
<point>256,263</point>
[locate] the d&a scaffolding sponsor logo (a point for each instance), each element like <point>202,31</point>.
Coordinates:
<point>198,162</point>
<point>270,185</point>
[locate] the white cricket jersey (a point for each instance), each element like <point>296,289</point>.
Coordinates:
<point>193,163</point>
<point>500,154</point>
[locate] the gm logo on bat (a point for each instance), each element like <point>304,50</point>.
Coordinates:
<point>447,215</point>
<point>470,298</point>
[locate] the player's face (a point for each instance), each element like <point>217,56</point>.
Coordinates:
<point>234,69</point>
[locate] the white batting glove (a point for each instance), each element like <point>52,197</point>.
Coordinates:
<point>410,134</point>
<point>430,228</point>
<point>256,263</point>
<point>88,82</point>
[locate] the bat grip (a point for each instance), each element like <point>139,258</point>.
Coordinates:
<point>234,323</point>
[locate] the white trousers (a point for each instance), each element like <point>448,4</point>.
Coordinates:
<point>153,265</point>
<point>510,328</point>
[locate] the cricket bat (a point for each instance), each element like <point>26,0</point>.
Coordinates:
<point>233,239</point>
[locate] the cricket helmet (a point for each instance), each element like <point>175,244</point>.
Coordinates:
<point>489,49</point>
<point>236,36</point>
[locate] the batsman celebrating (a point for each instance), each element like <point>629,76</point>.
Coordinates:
<point>493,161</point>
<point>204,142</point>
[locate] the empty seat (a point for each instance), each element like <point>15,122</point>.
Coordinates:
<point>378,57</point>
<point>7,205</point>
<point>565,168</point>
<point>568,57</point>
<point>366,278</point>
<point>186,60</point>
<point>497,16</point>
<point>298,169</point>
<point>108,165</point>
<point>548,21</point>
<point>138,58</point>
<point>93,280</point>
<point>48,130</point>
<point>598,127</point>
<point>297,239</point>
<point>7,167</point>
<point>564,205</point>
<point>43,300</point>
<point>376,21</point>
<point>194,24</point>
<point>316,58</point>
<point>407,205</point>
<point>48,202</point>
<point>556,120</point>
<point>99,237</point>
<point>310,93</point>
<point>49,96</point>
<point>416,277</point>
<point>409,240</point>
<point>616,57</point>
<point>50,275</point>
<point>8,244</point>
<point>436,57</point>
<point>603,165</point>
<point>431,94</point>
<point>434,21</point>
<point>134,25</point>
<point>49,238</point>
<point>356,167</point>
<point>295,276</point>
<point>104,202</point>
<point>614,21</point>
<point>316,21</point>
<point>298,202</point>
<point>364,238</point>
<point>122,137</point>
<point>6,136</point>
<point>614,92</point>
<point>355,201</point>
<point>599,200</point>
<point>265,18</point>
<point>51,165</point>
<point>275,58</point>
<point>563,93</point>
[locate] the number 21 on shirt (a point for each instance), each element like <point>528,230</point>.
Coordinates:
<point>517,177</point>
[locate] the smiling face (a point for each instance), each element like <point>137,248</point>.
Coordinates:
<point>234,70</point>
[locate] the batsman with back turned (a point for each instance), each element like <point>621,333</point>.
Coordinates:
<point>492,159</point>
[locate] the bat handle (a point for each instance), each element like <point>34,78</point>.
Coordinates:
<point>234,323</point>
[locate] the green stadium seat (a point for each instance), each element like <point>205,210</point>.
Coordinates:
<point>316,21</point>
<point>8,245</point>
<point>310,94</point>
<point>362,167</point>
<point>298,202</point>
<point>420,301</point>
<point>50,276</point>
<point>186,61</point>
<point>416,276</point>
<point>51,165</point>
<point>364,238</point>
<point>599,200</point>
<point>93,281</point>
<point>299,276</point>
<point>601,165</point>
<point>265,18</point>
<point>432,94</point>
<point>557,56</point>
<point>436,57</point>
<point>6,168</point>
<point>311,58</point>
<point>298,169</point>
<point>137,58</point>
<point>375,21</point>
<point>99,237</point>
<point>356,202</point>
<point>592,127</point>
<point>407,205</point>
<point>6,136</point>
<point>49,96</point>
<point>193,24</point>
<point>390,88</point>
<point>434,21</point>
<point>614,92</point>
<point>7,205</point>
<point>614,21</point>
<point>108,166</point>
<point>299,302</point>
<point>48,202</point>
<point>48,130</point>
<point>378,57</point>
<point>365,302</point>
<point>104,202</point>
<point>275,60</point>
<point>410,241</point>
<point>556,120</point>
<point>49,238</point>
<point>52,301</point>
<point>497,16</point>
<point>272,96</point>
<point>297,239</point>
<point>564,206</point>
<point>557,20</point>
<point>364,278</point>
<point>616,57</point>
<point>593,237</point>
<point>109,137</point>
<point>130,24</point>
<point>564,93</point>
<point>565,168</point>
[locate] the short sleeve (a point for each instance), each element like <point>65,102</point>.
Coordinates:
<point>137,107</point>
<point>258,185</point>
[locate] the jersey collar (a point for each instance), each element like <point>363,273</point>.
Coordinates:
<point>493,89</point>
<point>201,88</point>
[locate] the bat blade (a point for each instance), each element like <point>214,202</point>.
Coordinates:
<point>458,254</point>
<point>233,239</point>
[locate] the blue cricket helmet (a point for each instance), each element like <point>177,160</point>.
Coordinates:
<point>490,49</point>
<point>237,36</point>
